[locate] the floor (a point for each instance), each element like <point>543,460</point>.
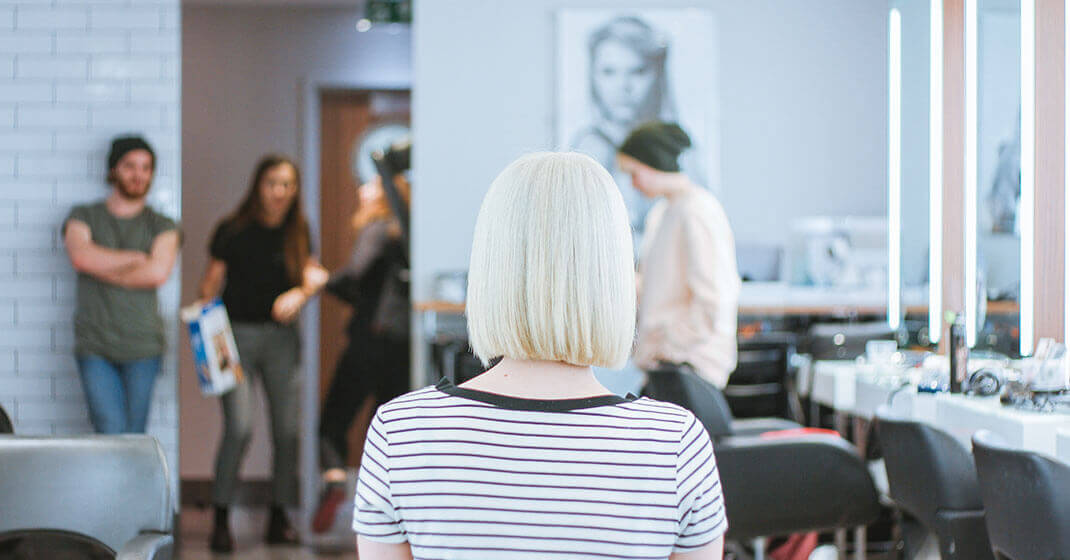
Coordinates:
<point>248,525</point>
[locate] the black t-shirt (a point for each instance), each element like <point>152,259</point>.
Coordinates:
<point>256,269</point>
<point>361,282</point>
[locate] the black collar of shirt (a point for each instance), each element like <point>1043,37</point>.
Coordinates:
<point>538,405</point>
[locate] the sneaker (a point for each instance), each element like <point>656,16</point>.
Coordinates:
<point>333,496</point>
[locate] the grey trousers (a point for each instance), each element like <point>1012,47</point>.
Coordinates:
<point>268,352</point>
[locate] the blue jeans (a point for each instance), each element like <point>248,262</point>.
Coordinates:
<point>118,393</point>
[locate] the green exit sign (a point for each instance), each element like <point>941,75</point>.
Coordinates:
<point>389,11</point>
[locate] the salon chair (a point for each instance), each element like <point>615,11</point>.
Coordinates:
<point>106,493</point>
<point>681,385</point>
<point>773,486</point>
<point>845,341</point>
<point>839,341</point>
<point>931,476</point>
<point>763,384</point>
<point>6,427</point>
<point>1027,500</point>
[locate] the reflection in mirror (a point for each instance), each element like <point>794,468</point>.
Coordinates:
<point>364,321</point>
<point>914,167</point>
<point>997,210</point>
<point>807,204</point>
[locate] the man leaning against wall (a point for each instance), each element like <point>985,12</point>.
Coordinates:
<point>122,250</point>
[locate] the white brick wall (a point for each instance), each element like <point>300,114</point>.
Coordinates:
<point>73,73</point>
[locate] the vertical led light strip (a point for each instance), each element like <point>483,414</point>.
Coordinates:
<point>936,168</point>
<point>969,187</point>
<point>895,149</point>
<point>1028,174</point>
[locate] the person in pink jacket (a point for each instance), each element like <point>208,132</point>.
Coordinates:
<point>689,289</point>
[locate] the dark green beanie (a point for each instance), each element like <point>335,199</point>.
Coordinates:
<point>657,144</point>
<point>123,145</point>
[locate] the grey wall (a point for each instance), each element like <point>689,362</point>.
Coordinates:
<point>803,103</point>
<point>72,76</point>
<point>242,72</point>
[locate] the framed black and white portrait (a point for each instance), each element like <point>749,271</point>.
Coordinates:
<point>619,68</point>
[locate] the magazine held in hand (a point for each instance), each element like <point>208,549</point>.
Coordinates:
<point>214,350</point>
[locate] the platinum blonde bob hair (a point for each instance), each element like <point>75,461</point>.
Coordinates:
<point>552,276</point>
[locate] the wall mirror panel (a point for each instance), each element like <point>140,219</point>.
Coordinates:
<point>914,142</point>
<point>997,213</point>
<point>803,120</point>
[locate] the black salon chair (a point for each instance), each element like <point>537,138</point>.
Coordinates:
<point>763,384</point>
<point>1027,500</point>
<point>931,476</point>
<point>845,341</point>
<point>6,426</point>
<point>773,486</point>
<point>682,386</point>
<point>109,493</point>
<point>839,341</point>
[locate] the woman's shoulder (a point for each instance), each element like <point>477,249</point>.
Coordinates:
<point>226,234</point>
<point>646,407</point>
<point>419,399</point>
<point>232,227</point>
<point>375,231</point>
<point>698,207</point>
<point>227,225</point>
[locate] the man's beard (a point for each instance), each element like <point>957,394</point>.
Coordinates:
<point>128,192</point>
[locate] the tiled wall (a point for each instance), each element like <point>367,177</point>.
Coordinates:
<point>73,74</point>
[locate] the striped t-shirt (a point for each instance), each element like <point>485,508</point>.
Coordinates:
<point>459,473</point>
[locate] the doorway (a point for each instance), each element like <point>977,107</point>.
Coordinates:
<point>352,124</point>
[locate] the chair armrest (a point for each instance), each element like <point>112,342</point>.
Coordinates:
<point>780,486</point>
<point>756,426</point>
<point>148,546</point>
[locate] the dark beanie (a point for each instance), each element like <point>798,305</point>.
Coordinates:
<point>123,145</point>
<point>657,144</point>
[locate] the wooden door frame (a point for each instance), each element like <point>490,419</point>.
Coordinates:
<point>1050,307</point>
<point>1049,203</point>
<point>311,87</point>
<point>954,153</point>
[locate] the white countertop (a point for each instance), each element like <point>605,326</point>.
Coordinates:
<point>963,416</point>
<point>1062,445</point>
<point>859,389</point>
<point>834,384</point>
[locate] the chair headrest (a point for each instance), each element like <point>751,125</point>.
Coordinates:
<point>107,487</point>
<point>6,427</point>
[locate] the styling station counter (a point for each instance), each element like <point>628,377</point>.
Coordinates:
<point>857,389</point>
<point>1062,445</point>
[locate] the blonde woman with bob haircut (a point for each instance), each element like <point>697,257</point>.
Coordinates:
<point>535,458</point>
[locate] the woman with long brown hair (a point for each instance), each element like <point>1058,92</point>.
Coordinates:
<point>261,258</point>
<point>375,363</point>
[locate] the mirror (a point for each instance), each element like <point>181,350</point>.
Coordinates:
<point>997,213</point>
<point>804,166</point>
<point>915,63</point>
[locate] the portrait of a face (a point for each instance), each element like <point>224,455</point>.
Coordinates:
<point>620,69</point>
<point>622,80</point>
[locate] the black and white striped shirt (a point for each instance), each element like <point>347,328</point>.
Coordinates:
<point>460,473</point>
